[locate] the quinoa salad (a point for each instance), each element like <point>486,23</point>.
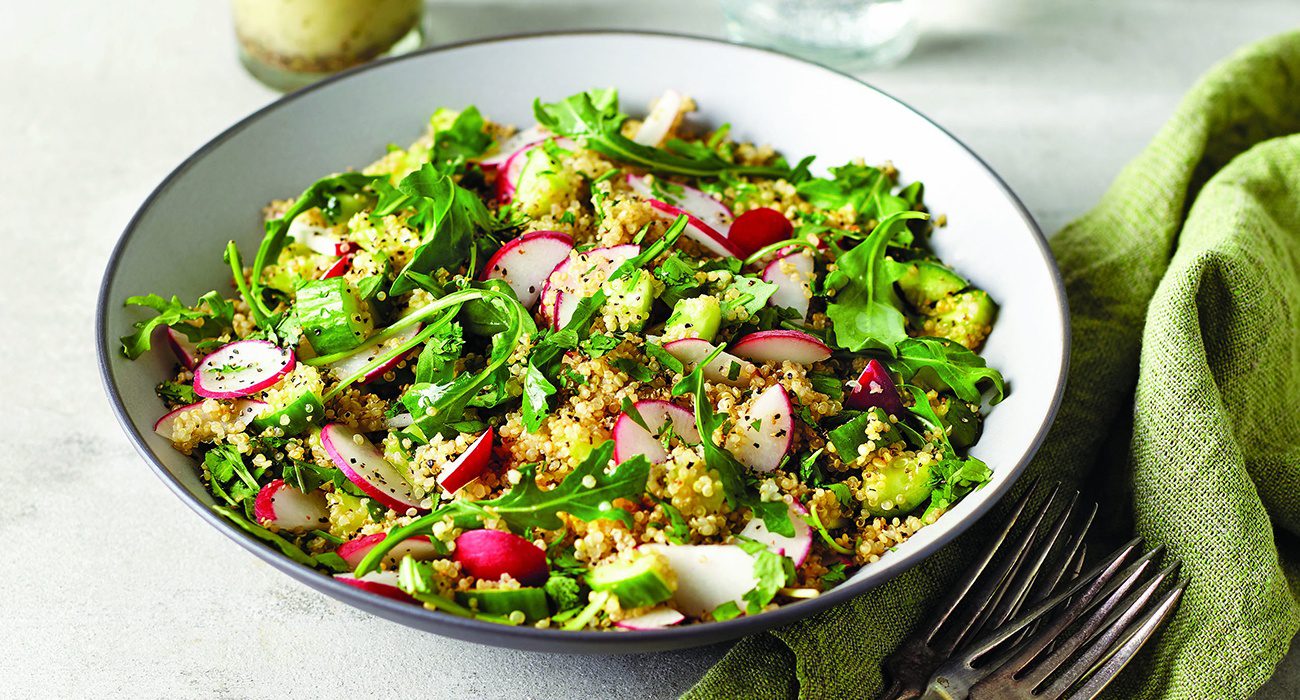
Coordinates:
<point>596,373</point>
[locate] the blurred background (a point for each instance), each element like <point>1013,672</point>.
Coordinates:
<point>100,100</point>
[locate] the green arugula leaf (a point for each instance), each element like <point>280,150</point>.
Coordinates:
<point>437,361</point>
<point>867,190</point>
<point>664,358</point>
<point>544,362</point>
<point>464,139</point>
<point>772,572</point>
<point>951,480</point>
<point>835,574</point>
<point>216,314</point>
<point>286,547</point>
<point>679,532</point>
<point>176,394</point>
<point>633,369</point>
<point>865,311</point>
<point>599,345</point>
<point>593,119</point>
<point>751,296</point>
<point>940,363</point>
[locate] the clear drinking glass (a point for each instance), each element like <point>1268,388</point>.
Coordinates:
<point>847,34</point>
<point>287,44</point>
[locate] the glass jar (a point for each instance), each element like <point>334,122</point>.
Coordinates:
<point>287,44</point>
<point>846,34</point>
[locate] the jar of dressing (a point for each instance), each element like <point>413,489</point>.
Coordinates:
<point>287,44</point>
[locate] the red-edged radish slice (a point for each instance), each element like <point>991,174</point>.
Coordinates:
<point>520,139</point>
<point>382,583</point>
<point>708,575</point>
<point>874,388</point>
<point>654,619</point>
<point>185,352</point>
<point>725,368</point>
<point>796,547</point>
<point>707,218</point>
<point>491,554</point>
<point>241,368</point>
<point>661,118</point>
<point>631,439</point>
<point>525,263</point>
<point>245,411</point>
<point>316,238</point>
<point>418,547</point>
<point>782,345</point>
<point>349,365</point>
<point>763,448</point>
<point>578,275</point>
<point>363,464</point>
<point>760,227</point>
<point>791,274</point>
<point>338,269</point>
<point>287,508</point>
<point>513,167</point>
<point>469,465</point>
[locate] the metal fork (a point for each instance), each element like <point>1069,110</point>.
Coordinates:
<point>979,645</point>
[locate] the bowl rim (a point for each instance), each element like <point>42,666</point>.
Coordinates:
<point>552,639</point>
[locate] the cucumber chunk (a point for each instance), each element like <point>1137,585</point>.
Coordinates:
<point>295,417</point>
<point>643,581</point>
<point>698,317</point>
<point>332,315</point>
<point>542,183</point>
<point>898,488</point>
<point>629,301</point>
<point>964,318</point>
<point>962,422</point>
<point>925,283</point>
<point>503,601</point>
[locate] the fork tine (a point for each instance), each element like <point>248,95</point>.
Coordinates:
<point>1031,668</point>
<point>1125,652</point>
<point>1028,578</point>
<point>1113,629</point>
<point>959,673</point>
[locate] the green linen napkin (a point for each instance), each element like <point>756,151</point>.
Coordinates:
<point>1181,415</point>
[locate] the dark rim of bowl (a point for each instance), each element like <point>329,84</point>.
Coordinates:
<point>617,641</point>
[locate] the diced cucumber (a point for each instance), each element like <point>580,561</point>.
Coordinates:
<point>965,318</point>
<point>295,417</point>
<point>898,488</point>
<point>503,601</point>
<point>332,315</point>
<point>697,317</point>
<point>542,182</point>
<point>645,580</point>
<point>925,283</point>
<point>629,301</point>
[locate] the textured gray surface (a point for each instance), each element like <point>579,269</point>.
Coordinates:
<point>115,588</point>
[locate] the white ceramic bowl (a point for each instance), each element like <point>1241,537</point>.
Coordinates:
<point>174,244</point>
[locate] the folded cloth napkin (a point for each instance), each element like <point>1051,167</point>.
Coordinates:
<point>1181,415</point>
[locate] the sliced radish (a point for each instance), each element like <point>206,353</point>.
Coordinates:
<point>661,118</point>
<point>513,167</point>
<point>363,464</point>
<point>383,583</point>
<point>491,554</point>
<point>579,276</point>
<point>185,352</point>
<point>874,388</point>
<point>707,218</point>
<point>287,508</point>
<point>792,275</point>
<point>245,411</point>
<point>781,345</point>
<point>339,268</point>
<point>708,575</point>
<point>241,368</point>
<point>759,227</point>
<point>631,439</point>
<point>654,619</point>
<point>525,263</point>
<point>725,368</point>
<point>524,137</point>
<point>418,547</point>
<point>317,238</point>
<point>796,547</point>
<point>351,364</point>
<point>469,466</point>
<point>763,447</point>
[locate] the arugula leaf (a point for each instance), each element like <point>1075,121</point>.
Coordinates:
<point>286,547</point>
<point>951,480</point>
<point>665,358</point>
<point>751,296</point>
<point>828,384</point>
<point>593,119</point>
<point>464,139</point>
<point>437,360</point>
<point>866,312</point>
<point>544,362</point>
<point>864,189</point>
<point>447,215</point>
<point>633,369</point>
<point>679,279</point>
<point>835,574</point>
<point>772,572</point>
<point>599,345</point>
<point>943,364</point>
<point>176,394</point>
<point>217,318</point>
<point>679,532</point>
